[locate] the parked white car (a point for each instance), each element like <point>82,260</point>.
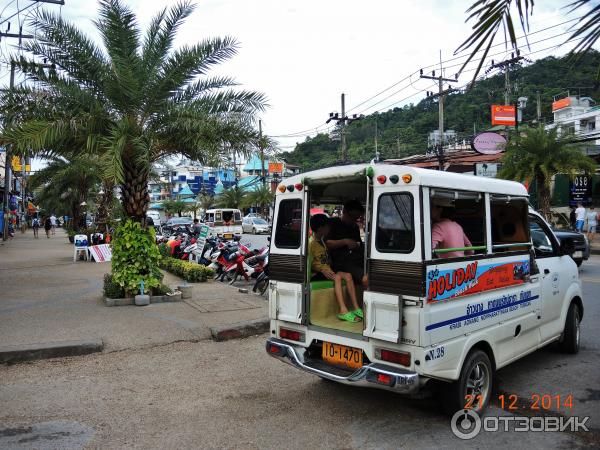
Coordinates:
<point>255,225</point>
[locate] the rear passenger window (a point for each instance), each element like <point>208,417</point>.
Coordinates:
<point>510,231</point>
<point>289,224</point>
<point>457,223</point>
<point>395,231</point>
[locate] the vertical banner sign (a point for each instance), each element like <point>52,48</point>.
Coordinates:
<point>580,190</point>
<point>202,236</point>
<point>504,115</point>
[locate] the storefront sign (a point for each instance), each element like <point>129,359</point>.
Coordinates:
<point>560,104</point>
<point>489,143</point>
<point>489,170</point>
<point>580,190</point>
<point>275,167</point>
<point>504,115</point>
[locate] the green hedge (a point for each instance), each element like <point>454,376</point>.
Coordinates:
<point>189,271</point>
<point>112,289</point>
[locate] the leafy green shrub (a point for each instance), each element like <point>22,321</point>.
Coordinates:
<point>164,250</point>
<point>112,289</point>
<point>189,271</point>
<point>135,257</point>
<point>163,289</point>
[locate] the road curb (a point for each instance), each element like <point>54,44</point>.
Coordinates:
<point>30,352</point>
<point>240,329</point>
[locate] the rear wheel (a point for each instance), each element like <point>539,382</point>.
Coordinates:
<point>572,332</point>
<point>253,230</point>
<point>473,389</point>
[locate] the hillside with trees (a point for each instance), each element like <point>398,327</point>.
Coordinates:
<point>403,131</point>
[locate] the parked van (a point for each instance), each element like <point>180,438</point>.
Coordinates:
<point>224,222</point>
<point>449,317</point>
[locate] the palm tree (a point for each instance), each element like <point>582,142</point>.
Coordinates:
<point>234,197</point>
<point>132,101</point>
<point>538,156</point>
<point>262,196</point>
<point>493,15</point>
<point>206,201</point>
<point>63,185</point>
<point>177,206</point>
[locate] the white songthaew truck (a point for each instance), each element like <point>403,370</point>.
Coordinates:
<point>449,315</point>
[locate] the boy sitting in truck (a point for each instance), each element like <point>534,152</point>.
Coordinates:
<point>321,269</point>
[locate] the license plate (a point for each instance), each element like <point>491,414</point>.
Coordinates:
<point>227,235</point>
<point>578,254</point>
<point>342,355</point>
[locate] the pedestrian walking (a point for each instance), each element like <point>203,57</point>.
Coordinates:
<point>53,223</point>
<point>35,224</point>
<point>47,226</point>
<point>572,218</point>
<point>592,223</point>
<point>580,217</point>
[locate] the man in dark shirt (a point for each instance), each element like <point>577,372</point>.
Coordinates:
<point>344,243</point>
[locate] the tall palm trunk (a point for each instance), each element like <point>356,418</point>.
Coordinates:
<point>544,194</point>
<point>105,204</point>
<point>135,197</point>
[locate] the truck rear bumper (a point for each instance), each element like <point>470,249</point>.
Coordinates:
<point>373,375</point>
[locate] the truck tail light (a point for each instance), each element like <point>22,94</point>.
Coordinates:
<point>384,379</point>
<point>292,335</point>
<point>274,349</point>
<point>395,357</point>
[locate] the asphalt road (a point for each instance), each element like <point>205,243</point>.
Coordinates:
<point>232,395</point>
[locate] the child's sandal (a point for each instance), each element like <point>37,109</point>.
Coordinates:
<point>349,317</point>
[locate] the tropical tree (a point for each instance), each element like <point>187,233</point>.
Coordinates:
<point>63,185</point>
<point>262,196</point>
<point>233,197</point>
<point>492,16</point>
<point>538,156</point>
<point>132,101</point>
<point>206,201</point>
<point>177,206</point>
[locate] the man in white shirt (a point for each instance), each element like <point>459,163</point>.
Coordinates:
<point>53,222</point>
<point>579,217</point>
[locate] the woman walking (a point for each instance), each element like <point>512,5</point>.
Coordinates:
<point>592,220</point>
<point>47,226</point>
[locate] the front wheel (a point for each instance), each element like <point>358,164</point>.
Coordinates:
<point>571,334</point>
<point>473,389</point>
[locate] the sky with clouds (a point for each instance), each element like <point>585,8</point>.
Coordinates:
<point>304,54</point>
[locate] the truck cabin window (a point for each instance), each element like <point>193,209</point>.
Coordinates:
<point>289,224</point>
<point>510,230</point>
<point>395,231</point>
<point>457,223</point>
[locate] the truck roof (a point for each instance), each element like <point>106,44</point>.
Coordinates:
<point>423,177</point>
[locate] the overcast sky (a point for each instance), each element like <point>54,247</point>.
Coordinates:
<point>304,54</point>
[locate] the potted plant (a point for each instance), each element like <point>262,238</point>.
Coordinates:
<point>71,234</point>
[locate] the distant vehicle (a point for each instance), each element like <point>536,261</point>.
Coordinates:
<point>176,221</point>
<point>255,225</point>
<point>224,222</point>
<point>580,241</point>
<point>251,215</point>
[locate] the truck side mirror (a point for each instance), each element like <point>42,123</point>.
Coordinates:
<point>567,246</point>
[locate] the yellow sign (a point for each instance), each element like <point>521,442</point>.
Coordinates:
<point>16,164</point>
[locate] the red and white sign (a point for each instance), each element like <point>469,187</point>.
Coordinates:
<point>560,104</point>
<point>101,253</point>
<point>504,115</point>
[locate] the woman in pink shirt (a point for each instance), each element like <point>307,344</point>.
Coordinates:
<point>445,233</point>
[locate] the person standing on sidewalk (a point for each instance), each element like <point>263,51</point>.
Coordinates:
<point>35,224</point>
<point>572,218</point>
<point>592,220</point>
<point>580,217</point>
<point>47,226</point>
<point>53,223</point>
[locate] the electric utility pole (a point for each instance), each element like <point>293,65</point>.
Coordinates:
<point>506,65</point>
<point>440,95</point>
<point>262,153</point>
<point>342,122</point>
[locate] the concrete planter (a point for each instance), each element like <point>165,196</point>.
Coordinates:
<point>142,300</point>
<point>174,297</point>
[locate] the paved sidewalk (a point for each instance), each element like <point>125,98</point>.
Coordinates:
<point>46,297</point>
